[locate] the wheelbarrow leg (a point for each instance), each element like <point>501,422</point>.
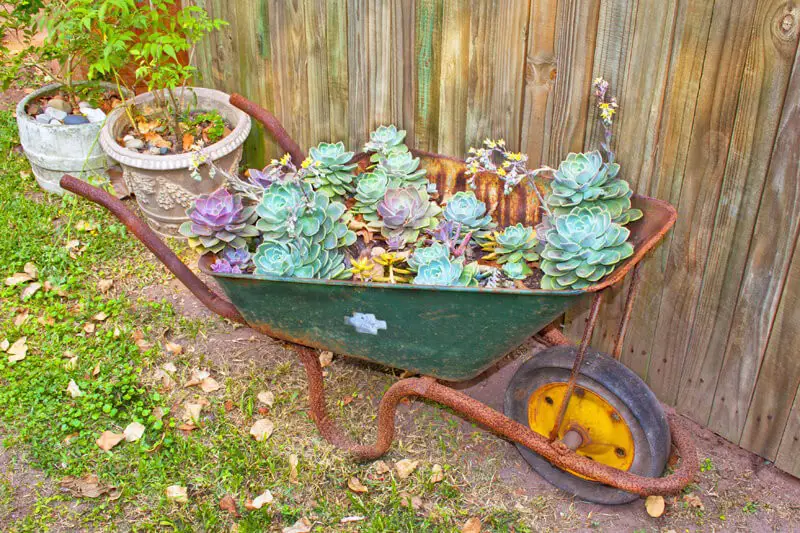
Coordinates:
<point>633,290</point>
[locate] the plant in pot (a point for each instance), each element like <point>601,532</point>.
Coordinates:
<point>162,137</point>
<point>59,123</point>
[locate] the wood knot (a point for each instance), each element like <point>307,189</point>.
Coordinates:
<point>787,23</point>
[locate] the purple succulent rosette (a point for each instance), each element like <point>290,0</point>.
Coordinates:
<point>221,266</point>
<point>219,220</point>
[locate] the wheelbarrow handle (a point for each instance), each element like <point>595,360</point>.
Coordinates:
<point>272,124</point>
<point>203,292</point>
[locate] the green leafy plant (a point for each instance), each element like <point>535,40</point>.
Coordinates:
<point>446,272</point>
<point>581,248</point>
<point>327,169</point>
<point>405,212</point>
<point>513,248</point>
<point>403,169</point>
<point>384,141</point>
<point>425,254</point>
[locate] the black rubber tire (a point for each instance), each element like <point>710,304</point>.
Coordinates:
<point>617,384</point>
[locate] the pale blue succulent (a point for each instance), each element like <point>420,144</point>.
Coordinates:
<point>581,248</point>
<point>464,208</point>
<point>426,254</point>
<point>275,258</point>
<point>328,171</point>
<point>447,273</point>
<point>403,169</point>
<point>370,190</point>
<point>384,141</point>
<point>515,244</point>
<point>586,180</point>
<point>518,270</point>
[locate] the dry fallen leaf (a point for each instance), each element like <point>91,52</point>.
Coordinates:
<point>227,503</point>
<point>88,486</point>
<point>104,285</point>
<point>169,367</point>
<point>381,467</point>
<point>188,141</point>
<point>18,350</point>
<point>177,494</point>
<point>694,501</point>
<point>293,461</point>
<point>301,526</point>
<point>325,358</point>
<point>405,467</point>
<point>356,486</point>
<point>89,328</point>
<point>4,344</point>
<point>654,506</point>
<point>192,412</point>
<point>437,474</point>
<point>406,500</point>
<point>100,317</point>
<point>73,389</point>
<point>30,290</point>
<point>173,348</point>
<point>260,501</point>
<point>31,270</point>
<point>262,429</point>
<point>197,377</point>
<point>349,519</point>
<point>133,432</point>
<point>109,439</point>
<point>21,319</point>
<point>267,398</point>
<point>18,279</point>
<point>209,385</point>
<point>473,525</point>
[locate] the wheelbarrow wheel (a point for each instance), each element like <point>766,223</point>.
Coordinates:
<point>612,418</point>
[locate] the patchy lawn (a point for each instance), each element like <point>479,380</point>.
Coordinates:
<point>111,342</point>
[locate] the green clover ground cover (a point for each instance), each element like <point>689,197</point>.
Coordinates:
<point>74,245</point>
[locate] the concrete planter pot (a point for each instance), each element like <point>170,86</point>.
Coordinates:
<point>55,149</point>
<point>162,184</point>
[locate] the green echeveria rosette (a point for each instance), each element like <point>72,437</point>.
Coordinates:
<point>403,169</point>
<point>370,190</point>
<point>445,272</point>
<point>464,208</point>
<point>582,247</point>
<point>384,141</point>
<point>585,180</point>
<point>515,248</point>
<point>424,255</point>
<point>326,169</point>
<point>404,213</point>
<point>218,221</point>
<point>299,260</point>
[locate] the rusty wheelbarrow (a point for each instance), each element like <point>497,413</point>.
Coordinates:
<point>581,419</point>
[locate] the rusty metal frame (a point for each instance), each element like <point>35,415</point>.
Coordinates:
<point>426,387</point>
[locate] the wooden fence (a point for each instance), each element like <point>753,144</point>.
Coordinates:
<point>710,120</point>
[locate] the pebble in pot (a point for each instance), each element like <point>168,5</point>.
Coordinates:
<point>94,115</point>
<point>43,118</point>
<point>61,105</point>
<point>134,144</point>
<point>73,120</point>
<point>55,113</point>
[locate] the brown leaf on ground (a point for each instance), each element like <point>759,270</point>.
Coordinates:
<point>31,270</point>
<point>355,485</point>
<point>349,519</point>
<point>406,500</point>
<point>473,525</point>
<point>405,467</point>
<point>100,317</point>
<point>177,494</point>
<point>262,429</point>
<point>301,526</point>
<point>18,279</point>
<point>381,467</point>
<point>21,318</point>
<point>30,290</point>
<point>259,501</point>
<point>88,486</point>
<point>109,439</point>
<point>104,285</point>
<point>654,505</point>
<point>89,328</point>
<point>173,348</point>
<point>73,390</point>
<point>293,462</point>
<point>188,141</point>
<point>693,501</point>
<point>227,503</point>
<point>210,385</point>
<point>18,351</point>
<point>133,432</point>
<point>437,474</point>
<point>266,397</point>
<point>325,358</point>
<point>4,345</point>
<point>192,412</point>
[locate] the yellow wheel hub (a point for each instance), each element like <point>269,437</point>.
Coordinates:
<point>606,437</point>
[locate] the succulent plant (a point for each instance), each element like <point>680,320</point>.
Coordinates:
<point>582,247</point>
<point>326,169</point>
<point>403,169</point>
<point>517,270</point>
<point>298,260</point>
<point>217,221</point>
<point>232,261</point>
<point>445,272</point>
<point>465,209</point>
<point>515,244</point>
<point>405,212</point>
<point>309,227</point>
<point>449,233</point>
<point>384,141</point>
<point>277,170</point>
<point>586,180</point>
<point>370,190</point>
<point>426,254</point>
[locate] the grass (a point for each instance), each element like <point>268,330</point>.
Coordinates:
<point>56,433</point>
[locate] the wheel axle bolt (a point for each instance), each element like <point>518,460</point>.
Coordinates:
<point>620,452</point>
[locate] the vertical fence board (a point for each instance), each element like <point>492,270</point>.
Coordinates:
<point>766,75</point>
<point>338,91</point>
<point>453,87</point>
<point>428,50</point>
<point>768,262</point>
<point>316,35</point>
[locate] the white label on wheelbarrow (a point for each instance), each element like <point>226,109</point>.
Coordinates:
<point>365,323</point>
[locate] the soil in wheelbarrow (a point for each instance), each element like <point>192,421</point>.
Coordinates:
<point>736,490</point>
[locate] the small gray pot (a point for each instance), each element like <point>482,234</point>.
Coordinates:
<point>57,149</point>
<point>162,184</point>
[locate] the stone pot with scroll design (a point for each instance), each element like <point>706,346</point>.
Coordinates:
<point>163,184</point>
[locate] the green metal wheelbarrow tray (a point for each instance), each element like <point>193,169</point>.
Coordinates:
<point>454,334</point>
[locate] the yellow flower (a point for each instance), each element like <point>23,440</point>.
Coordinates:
<point>501,172</point>
<point>285,159</point>
<point>306,163</point>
